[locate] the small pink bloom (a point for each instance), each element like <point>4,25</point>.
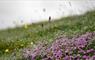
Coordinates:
<point>90,50</point>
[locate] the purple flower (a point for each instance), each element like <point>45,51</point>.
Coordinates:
<point>85,57</point>
<point>93,57</point>
<point>82,51</point>
<point>59,54</point>
<point>90,50</point>
<point>66,58</point>
<point>63,48</point>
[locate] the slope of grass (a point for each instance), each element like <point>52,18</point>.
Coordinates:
<point>20,37</point>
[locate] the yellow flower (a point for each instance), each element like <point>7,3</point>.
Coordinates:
<point>22,45</point>
<point>7,50</point>
<point>31,43</point>
<point>25,26</point>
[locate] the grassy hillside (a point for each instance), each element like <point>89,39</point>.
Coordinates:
<point>18,38</point>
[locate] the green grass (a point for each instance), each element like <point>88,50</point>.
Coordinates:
<point>18,38</point>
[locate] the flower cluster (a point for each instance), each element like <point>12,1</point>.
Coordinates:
<point>64,49</point>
